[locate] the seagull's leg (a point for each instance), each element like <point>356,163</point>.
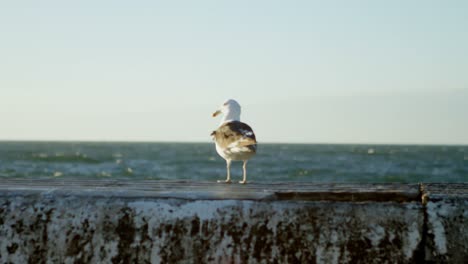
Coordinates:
<point>244,180</point>
<point>228,168</point>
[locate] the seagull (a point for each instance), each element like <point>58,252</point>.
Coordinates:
<point>235,141</point>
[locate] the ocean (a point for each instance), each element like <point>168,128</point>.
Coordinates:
<point>321,163</point>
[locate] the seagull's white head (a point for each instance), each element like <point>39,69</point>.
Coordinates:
<point>231,110</point>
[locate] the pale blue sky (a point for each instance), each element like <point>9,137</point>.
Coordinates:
<point>304,71</point>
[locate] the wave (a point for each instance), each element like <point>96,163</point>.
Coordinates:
<point>64,157</point>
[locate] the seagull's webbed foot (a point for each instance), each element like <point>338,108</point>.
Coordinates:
<point>243,182</point>
<point>225,181</point>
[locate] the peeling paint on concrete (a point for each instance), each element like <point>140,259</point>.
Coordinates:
<point>117,227</point>
<point>113,230</point>
<point>414,237</point>
<point>437,228</point>
<point>448,230</point>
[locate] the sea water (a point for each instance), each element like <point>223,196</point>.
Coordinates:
<point>321,163</point>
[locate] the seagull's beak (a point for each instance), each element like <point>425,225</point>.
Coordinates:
<point>216,113</point>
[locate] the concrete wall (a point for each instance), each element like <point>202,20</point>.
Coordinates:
<point>113,223</point>
<point>447,223</point>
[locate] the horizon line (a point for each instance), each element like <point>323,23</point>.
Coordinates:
<point>209,142</point>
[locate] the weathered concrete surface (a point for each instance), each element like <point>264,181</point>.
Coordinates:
<point>447,223</point>
<point>183,222</point>
<point>105,230</point>
<point>212,191</point>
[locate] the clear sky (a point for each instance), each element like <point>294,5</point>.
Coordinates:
<point>304,71</point>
